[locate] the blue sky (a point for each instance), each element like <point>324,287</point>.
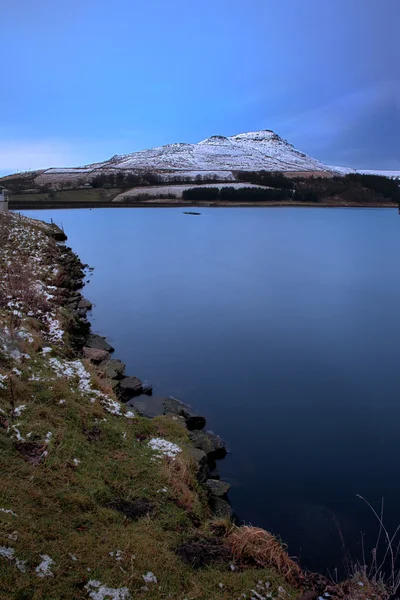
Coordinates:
<point>83,80</point>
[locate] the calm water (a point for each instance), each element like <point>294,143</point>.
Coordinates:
<point>282,327</point>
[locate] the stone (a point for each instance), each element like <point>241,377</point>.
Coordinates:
<point>218,488</point>
<point>193,419</point>
<point>218,443</point>
<point>214,473</point>
<point>114,385</point>
<point>85,304</point>
<point>212,444</point>
<point>98,342</point>
<point>200,440</point>
<point>130,386</point>
<point>112,368</point>
<point>198,456</point>
<point>95,354</point>
<point>221,508</point>
<point>147,388</point>
<point>147,406</point>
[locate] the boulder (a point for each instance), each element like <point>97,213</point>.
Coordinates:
<point>129,387</point>
<point>210,443</point>
<point>200,458</point>
<point>112,368</point>
<point>95,354</point>
<point>218,443</point>
<point>98,342</point>
<point>114,385</point>
<point>213,473</point>
<point>84,304</point>
<point>193,419</point>
<point>154,406</point>
<point>221,508</point>
<point>200,440</point>
<point>218,488</point>
<point>148,406</point>
<point>147,388</point>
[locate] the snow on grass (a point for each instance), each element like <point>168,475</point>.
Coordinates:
<point>164,448</point>
<point>103,591</point>
<point>117,554</point>
<point>16,433</point>
<point>149,577</point>
<point>9,554</point>
<point>19,410</point>
<point>8,511</point>
<point>43,569</point>
<point>75,369</point>
<point>25,335</point>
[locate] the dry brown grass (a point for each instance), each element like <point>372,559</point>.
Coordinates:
<point>251,544</point>
<point>181,480</point>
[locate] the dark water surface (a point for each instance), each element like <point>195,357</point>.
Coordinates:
<point>282,327</point>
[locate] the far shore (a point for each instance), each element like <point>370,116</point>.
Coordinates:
<point>62,204</point>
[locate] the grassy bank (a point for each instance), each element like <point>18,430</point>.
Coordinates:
<point>95,501</point>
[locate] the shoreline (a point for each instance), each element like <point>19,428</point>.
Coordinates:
<point>53,205</point>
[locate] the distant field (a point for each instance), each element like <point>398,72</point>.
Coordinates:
<point>67,196</point>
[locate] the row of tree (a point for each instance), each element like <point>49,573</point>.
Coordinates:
<point>274,179</point>
<point>230,194</point>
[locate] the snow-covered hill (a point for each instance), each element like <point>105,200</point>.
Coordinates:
<point>244,152</point>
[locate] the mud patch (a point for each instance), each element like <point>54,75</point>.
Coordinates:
<point>133,509</point>
<point>200,553</point>
<point>32,452</point>
<point>92,434</point>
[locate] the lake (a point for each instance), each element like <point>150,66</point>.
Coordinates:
<point>281,326</point>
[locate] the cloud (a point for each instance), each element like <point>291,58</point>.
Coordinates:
<point>320,126</point>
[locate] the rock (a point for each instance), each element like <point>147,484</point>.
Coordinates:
<point>114,385</point>
<point>198,456</point>
<point>85,304</point>
<point>213,473</point>
<point>148,406</point>
<point>219,445</point>
<point>193,419</point>
<point>218,488</point>
<point>98,342</point>
<point>112,368</point>
<point>177,419</point>
<point>221,508</point>
<point>147,388</point>
<point>154,406</point>
<point>210,443</point>
<point>95,354</point>
<point>129,387</point>
<point>57,233</point>
<point>200,440</point>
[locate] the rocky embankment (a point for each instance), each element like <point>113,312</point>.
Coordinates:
<point>107,491</point>
<point>206,446</point>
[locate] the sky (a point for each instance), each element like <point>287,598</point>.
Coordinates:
<point>82,80</point>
